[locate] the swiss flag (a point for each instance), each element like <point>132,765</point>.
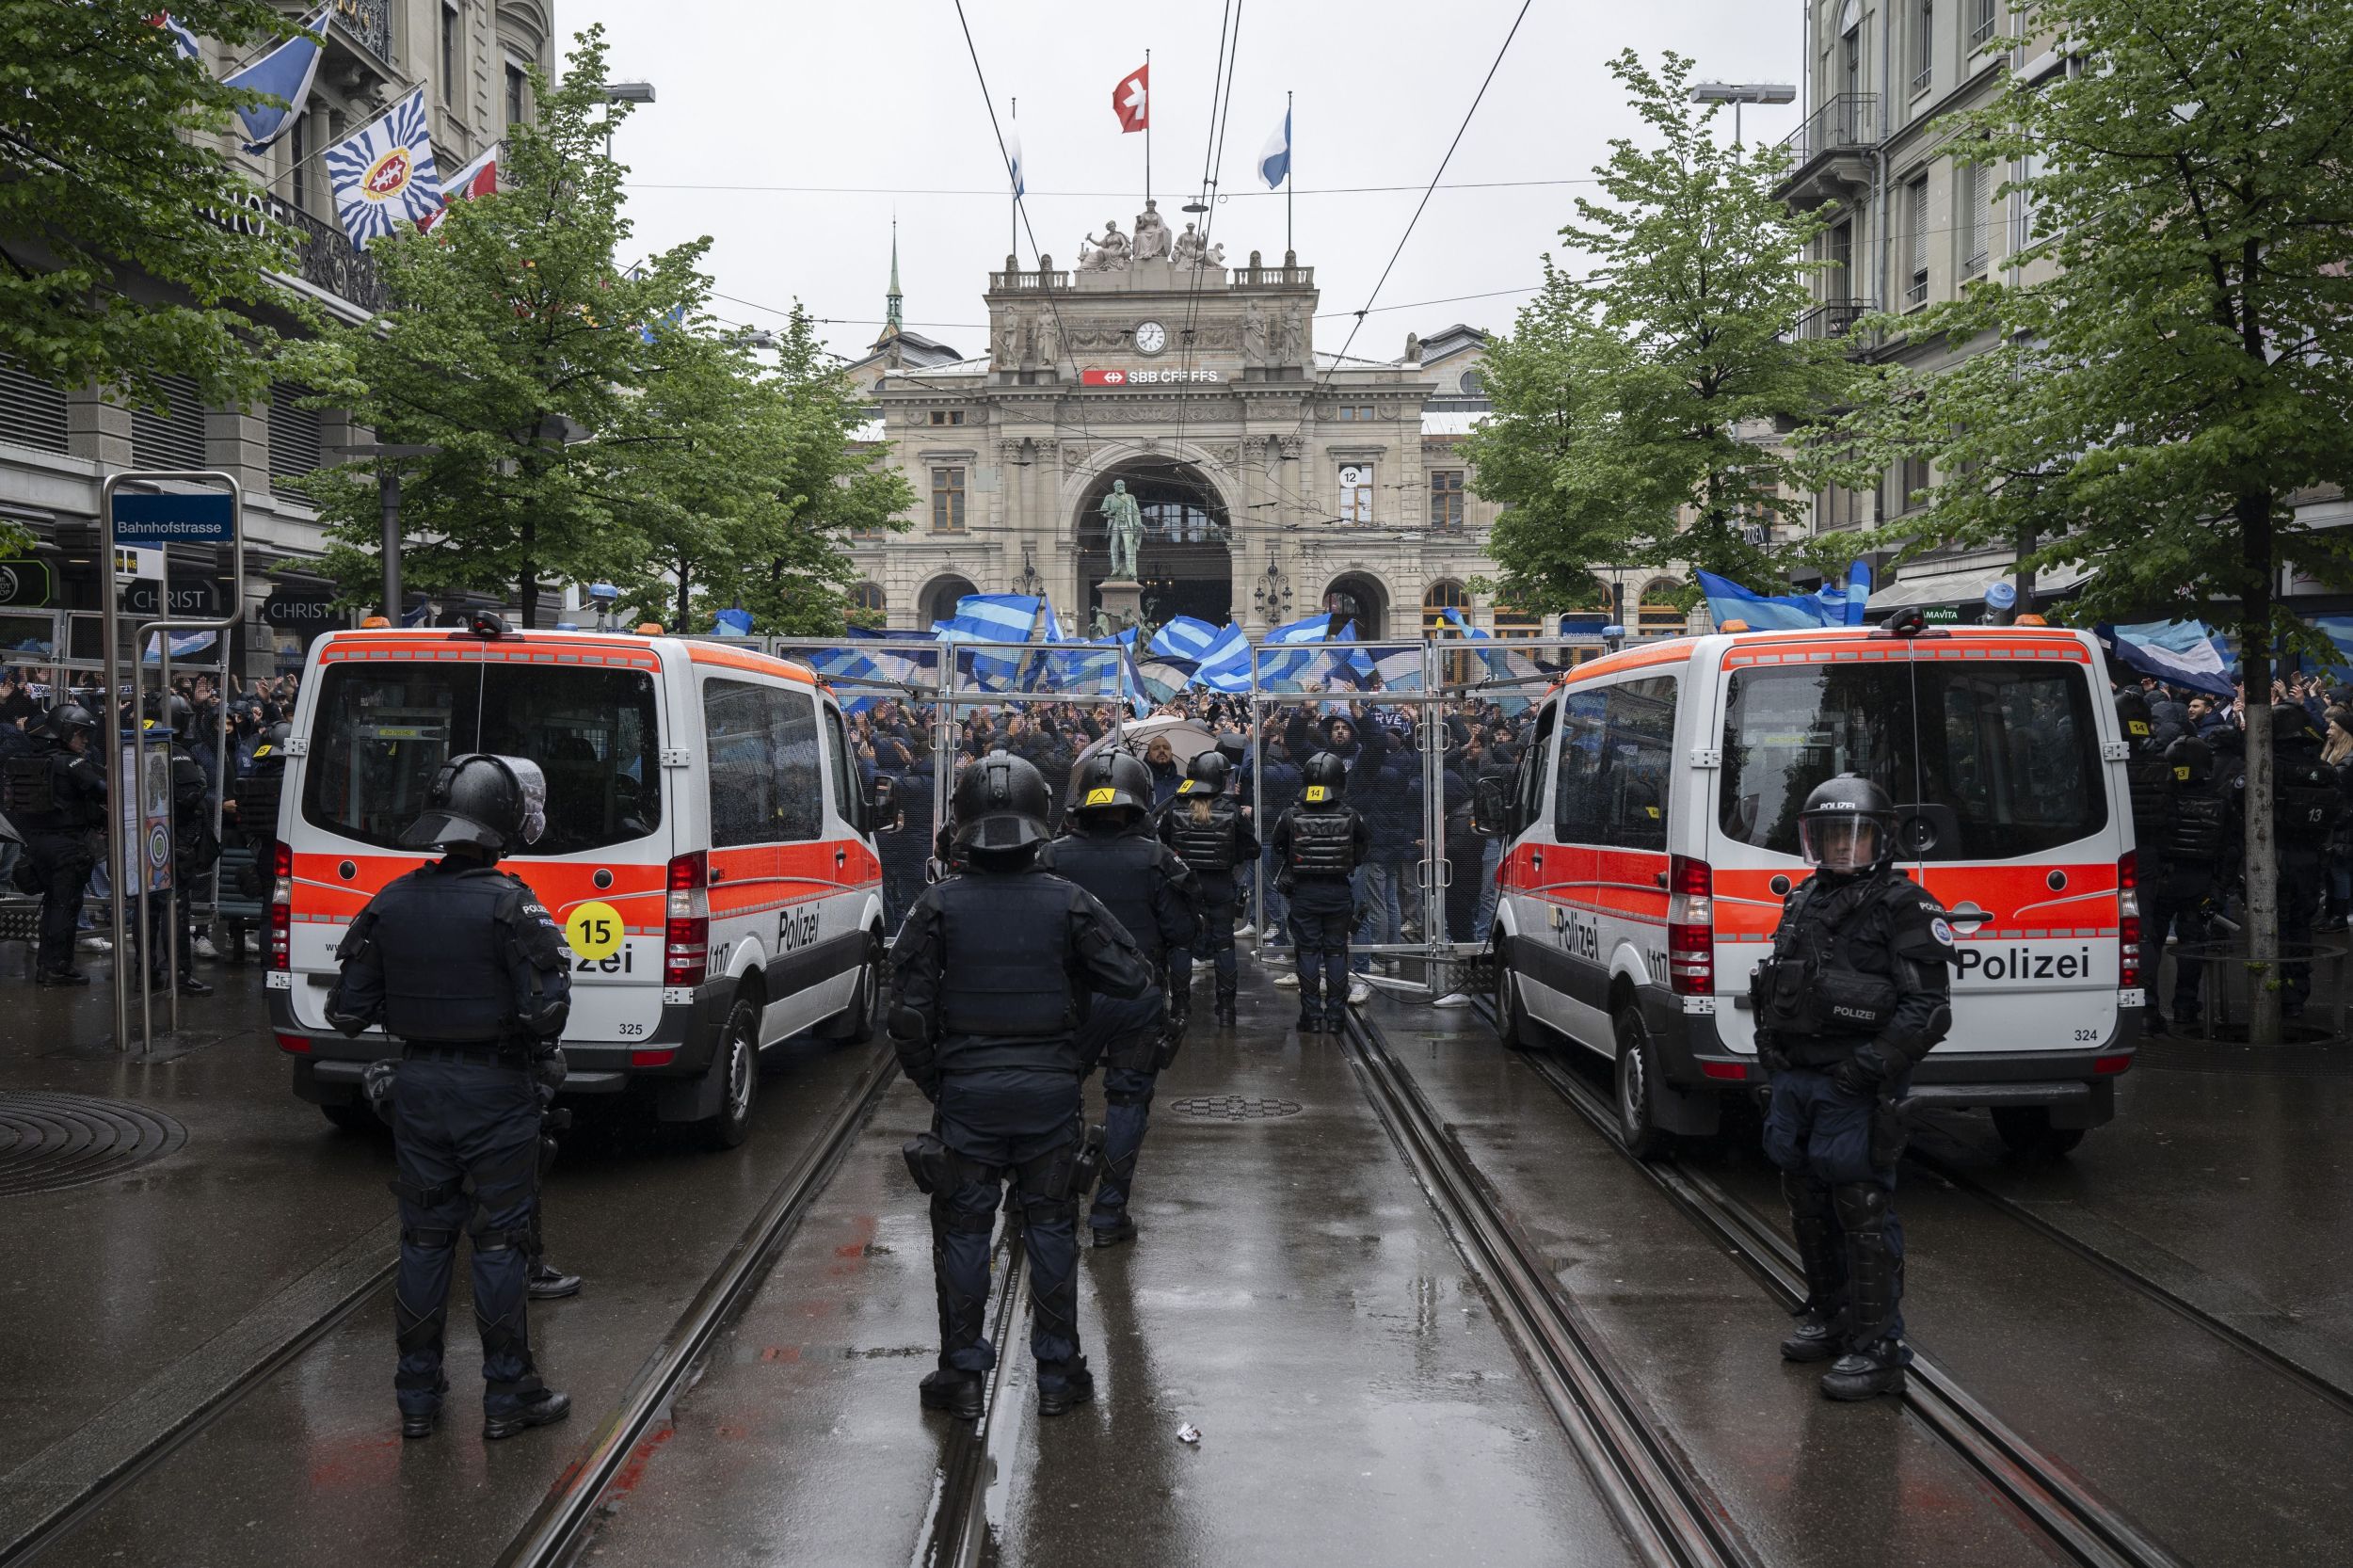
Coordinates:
<point>478,178</point>
<point>1131,100</point>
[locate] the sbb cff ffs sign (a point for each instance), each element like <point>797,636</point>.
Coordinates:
<point>1149,376</point>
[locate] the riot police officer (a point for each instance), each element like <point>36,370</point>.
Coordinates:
<point>1320,841</point>
<point>2305,793</point>
<point>1203,825</point>
<point>253,806</point>
<point>1854,994</point>
<point>1154,895</point>
<point>991,968</point>
<point>2198,848</point>
<point>56,798</point>
<point>462,964</point>
<point>2149,780</point>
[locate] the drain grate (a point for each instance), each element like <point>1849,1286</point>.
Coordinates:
<point>1233,1107</point>
<point>49,1142</point>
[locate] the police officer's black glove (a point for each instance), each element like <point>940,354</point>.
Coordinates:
<point>549,1068</point>
<point>1861,1073</point>
<point>1770,1055</point>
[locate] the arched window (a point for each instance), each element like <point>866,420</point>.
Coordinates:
<point>1472,384</point>
<point>1517,623</point>
<point>1657,615</point>
<point>869,604</point>
<point>1441,598</point>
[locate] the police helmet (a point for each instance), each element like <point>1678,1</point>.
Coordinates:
<point>68,720</point>
<point>2191,760</point>
<point>275,737</point>
<point>1113,781</point>
<point>1235,749</point>
<point>1324,774</point>
<point>1001,802</point>
<point>2290,722</point>
<point>495,803</point>
<point>170,709</point>
<point>2132,714</point>
<point>1848,826</point>
<point>1204,775</point>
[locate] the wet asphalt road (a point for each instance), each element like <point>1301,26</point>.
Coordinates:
<point>1294,1297</point>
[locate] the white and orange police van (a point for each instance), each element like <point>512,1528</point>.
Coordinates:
<point>1654,833</point>
<point>709,848</point>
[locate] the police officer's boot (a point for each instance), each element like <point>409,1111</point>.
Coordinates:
<point>420,1420</point>
<point>956,1393</point>
<point>1063,1385</point>
<point>550,1283</point>
<point>1875,1359</point>
<point>1822,1317</point>
<point>543,1408</point>
<point>1227,989</point>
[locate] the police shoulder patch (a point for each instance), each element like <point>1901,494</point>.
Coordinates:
<point>1941,930</point>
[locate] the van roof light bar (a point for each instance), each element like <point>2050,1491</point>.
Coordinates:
<point>488,625</point>
<point>1907,623</point>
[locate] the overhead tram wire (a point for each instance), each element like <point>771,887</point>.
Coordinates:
<point>1060,194</point>
<point>1213,166</point>
<point>983,326</point>
<point>1308,405</point>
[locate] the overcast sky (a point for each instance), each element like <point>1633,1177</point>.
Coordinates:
<point>881,95</point>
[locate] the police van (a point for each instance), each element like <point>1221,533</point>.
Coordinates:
<point>1654,833</point>
<point>709,851</point>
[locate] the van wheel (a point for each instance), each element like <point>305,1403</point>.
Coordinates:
<point>856,1022</point>
<point>1637,1088</point>
<point>2027,1130</point>
<point>739,1075</point>
<point>1512,1020</point>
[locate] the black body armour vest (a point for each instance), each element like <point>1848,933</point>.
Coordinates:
<point>448,958</point>
<point>1207,846</point>
<point>1119,873</point>
<point>1815,984</point>
<point>2200,823</point>
<point>1004,938</point>
<point>2307,797</point>
<point>2149,778</point>
<point>1323,843</point>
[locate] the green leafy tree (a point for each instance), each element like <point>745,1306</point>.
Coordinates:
<point>751,486</point>
<point>517,344</point>
<point>1641,386</point>
<point>2172,362</point>
<point>113,162</point>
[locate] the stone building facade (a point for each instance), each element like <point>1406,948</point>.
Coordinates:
<point>56,445</point>
<point>1276,478</point>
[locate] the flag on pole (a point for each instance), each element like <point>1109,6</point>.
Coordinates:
<point>1830,605</point>
<point>383,172</point>
<point>1131,100</point>
<point>2180,653</point>
<point>182,40</point>
<point>1013,158</point>
<point>478,178</point>
<point>285,74</point>
<point>1275,158</point>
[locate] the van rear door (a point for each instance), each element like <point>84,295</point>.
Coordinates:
<point>1991,747</point>
<point>385,720</point>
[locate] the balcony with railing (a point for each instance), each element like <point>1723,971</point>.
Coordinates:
<point>1831,152</point>
<point>1834,319</point>
<point>330,259</point>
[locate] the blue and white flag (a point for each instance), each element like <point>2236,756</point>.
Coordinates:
<point>1275,158</point>
<point>1832,604</point>
<point>285,74</point>
<point>384,172</point>
<point>736,622</point>
<point>1013,160</point>
<point>2180,653</point>
<point>1185,638</point>
<point>1463,628</point>
<point>182,40</point>
<point>184,645</point>
<point>998,619</point>
<point>1224,665</point>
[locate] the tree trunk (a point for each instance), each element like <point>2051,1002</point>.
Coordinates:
<point>2263,859</point>
<point>684,599</point>
<point>527,580</point>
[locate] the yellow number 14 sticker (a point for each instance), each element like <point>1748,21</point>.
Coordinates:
<point>594,930</point>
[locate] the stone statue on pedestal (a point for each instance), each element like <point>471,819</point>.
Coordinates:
<point>1188,250</point>
<point>1109,254</point>
<point>1123,519</point>
<point>1151,233</point>
<point>1254,334</point>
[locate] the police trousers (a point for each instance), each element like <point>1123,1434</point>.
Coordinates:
<point>1320,908</point>
<point>1822,1138</point>
<point>62,860</point>
<point>1130,1031</point>
<point>1219,902</point>
<point>466,1136</point>
<point>1001,1121</point>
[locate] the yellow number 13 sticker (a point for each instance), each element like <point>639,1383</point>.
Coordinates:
<point>594,930</point>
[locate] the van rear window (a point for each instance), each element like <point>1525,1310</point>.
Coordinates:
<point>2006,764</point>
<point>384,730</point>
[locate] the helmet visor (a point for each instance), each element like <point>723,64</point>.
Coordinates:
<point>534,786</point>
<point>1842,843</point>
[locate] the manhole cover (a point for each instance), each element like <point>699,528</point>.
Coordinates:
<point>49,1141</point>
<point>1233,1107</point>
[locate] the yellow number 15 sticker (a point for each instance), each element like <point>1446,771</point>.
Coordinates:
<point>594,930</point>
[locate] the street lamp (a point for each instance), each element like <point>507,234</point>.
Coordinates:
<point>1737,93</point>
<point>388,496</point>
<point>623,92</point>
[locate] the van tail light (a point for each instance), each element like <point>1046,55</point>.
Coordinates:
<point>1691,927</point>
<point>686,924</point>
<point>282,907</point>
<point>2128,920</point>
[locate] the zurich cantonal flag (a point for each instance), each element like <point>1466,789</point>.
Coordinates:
<point>284,74</point>
<point>384,172</point>
<point>1275,158</point>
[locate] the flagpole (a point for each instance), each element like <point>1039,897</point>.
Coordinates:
<point>1148,90</point>
<point>1291,178</point>
<point>1014,248</point>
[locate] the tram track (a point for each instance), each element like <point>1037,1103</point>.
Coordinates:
<point>2042,1492</point>
<point>1671,1517</point>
